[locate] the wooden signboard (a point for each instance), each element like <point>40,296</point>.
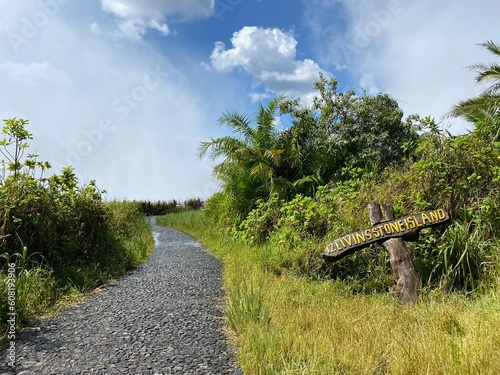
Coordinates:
<point>390,233</point>
<point>380,232</point>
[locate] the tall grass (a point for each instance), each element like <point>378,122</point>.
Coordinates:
<point>34,286</point>
<point>289,324</point>
<point>42,286</point>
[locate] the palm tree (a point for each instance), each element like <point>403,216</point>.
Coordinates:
<point>489,73</point>
<point>483,110</point>
<point>250,158</point>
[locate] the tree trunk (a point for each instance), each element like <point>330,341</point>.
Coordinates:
<point>407,283</point>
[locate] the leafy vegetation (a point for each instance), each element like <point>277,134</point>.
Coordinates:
<point>287,193</point>
<point>167,207</point>
<point>483,109</point>
<point>284,324</point>
<point>61,236</point>
<point>342,132</point>
<point>301,187</point>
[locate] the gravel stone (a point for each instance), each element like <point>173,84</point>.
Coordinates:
<point>165,317</point>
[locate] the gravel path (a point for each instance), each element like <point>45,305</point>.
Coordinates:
<point>163,318</point>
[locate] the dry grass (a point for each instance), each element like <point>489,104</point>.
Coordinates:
<point>314,328</point>
<point>290,325</point>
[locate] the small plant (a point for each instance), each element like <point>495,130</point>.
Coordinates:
<point>13,147</point>
<point>246,305</point>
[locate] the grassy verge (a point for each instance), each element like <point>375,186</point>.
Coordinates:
<point>285,324</point>
<point>42,287</point>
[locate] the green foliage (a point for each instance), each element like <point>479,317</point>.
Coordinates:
<point>484,110</point>
<point>251,158</point>
<point>341,133</point>
<point>60,234</point>
<point>459,174</point>
<point>363,131</point>
<point>261,221</point>
<point>167,207</point>
<point>14,145</point>
<point>53,217</point>
<point>294,191</point>
<point>347,130</point>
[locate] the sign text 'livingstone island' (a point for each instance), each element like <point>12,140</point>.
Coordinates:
<point>389,229</point>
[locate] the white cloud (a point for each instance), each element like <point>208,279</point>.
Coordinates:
<point>137,16</point>
<point>259,96</point>
<point>300,78</point>
<point>268,55</point>
<point>119,112</point>
<point>33,73</point>
<point>366,82</point>
<point>415,51</point>
<point>94,27</point>
<point>153,9</point>
<point>255,50</point>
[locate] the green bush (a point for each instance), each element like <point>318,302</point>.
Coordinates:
<point>459,174</point>
<point>157,208</point>
<point>61,236</point>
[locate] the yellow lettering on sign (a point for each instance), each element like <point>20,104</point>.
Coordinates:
<point>434,215</point>
<point>360,237</point>
<point>410,223</point>
<point>394,227</point>
<point>368,234</point>
<point>425,218</point>
<point>378,232</point>
<point>337,246</point>
<point>387,229</point>
<point>419,224</point>
<point>402,226</point>
<point>348,242</point>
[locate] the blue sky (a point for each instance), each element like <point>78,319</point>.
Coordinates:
<point>124,90</point>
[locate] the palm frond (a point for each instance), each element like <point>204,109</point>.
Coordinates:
<point>275,155</point>
<point>229,147</point>
<point>266,134</point>
<point>484,108</point>
<point>488,74</point>
<point>239,123</point>
<point>308,184</point>
<point>274,103</point>
<point>283,187</point>
<point>492,47</point>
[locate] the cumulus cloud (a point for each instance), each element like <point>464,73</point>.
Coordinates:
<point>415,51</point>
<point>119,112</point>
<point>269,56</point>
<point>137,16</point>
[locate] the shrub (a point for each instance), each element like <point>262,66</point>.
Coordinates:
<point>60,235</point>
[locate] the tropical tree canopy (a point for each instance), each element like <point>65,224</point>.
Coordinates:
<point>344,131</point>
<point>250,158</point>
<point>340,132</point>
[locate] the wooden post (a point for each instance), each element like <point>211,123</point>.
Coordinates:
<point>391,234</point>
<point>407,284</point>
